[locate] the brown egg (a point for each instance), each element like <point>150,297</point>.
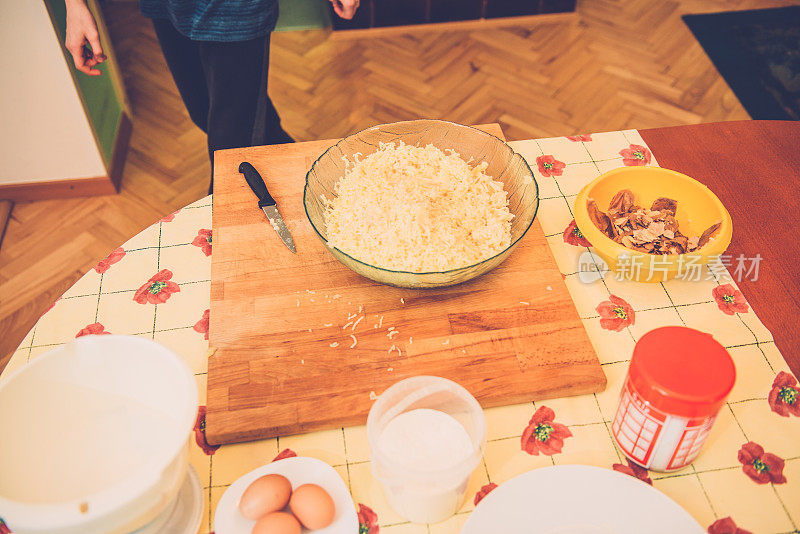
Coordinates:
<point>266,494</point>
<point>312,506</point>
<point>277,523</point>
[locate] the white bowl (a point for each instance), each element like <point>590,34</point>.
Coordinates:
<point>95,436</point>
<point>578,499</point>
<point>299,470</point>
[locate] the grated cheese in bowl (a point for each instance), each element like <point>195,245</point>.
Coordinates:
<point>420,204</point>
<point>417,209</point>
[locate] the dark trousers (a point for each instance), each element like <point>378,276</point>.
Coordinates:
<point>224,88</point>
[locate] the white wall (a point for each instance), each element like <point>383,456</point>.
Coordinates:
<point>44,133</point>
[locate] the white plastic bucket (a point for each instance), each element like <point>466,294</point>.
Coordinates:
<point>425,495</point>
<point>94,436</point>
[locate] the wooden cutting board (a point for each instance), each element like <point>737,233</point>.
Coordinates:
<point>282,322</point>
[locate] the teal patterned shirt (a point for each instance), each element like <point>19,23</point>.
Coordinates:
<point>215,20</point>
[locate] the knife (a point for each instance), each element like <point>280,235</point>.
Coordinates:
<point>267,203</point>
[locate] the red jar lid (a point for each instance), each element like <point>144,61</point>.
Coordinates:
<point>681,371</point>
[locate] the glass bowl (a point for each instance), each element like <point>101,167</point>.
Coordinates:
<point>504,165</point>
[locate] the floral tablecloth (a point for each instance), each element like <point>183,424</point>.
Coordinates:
<point>747,479</point>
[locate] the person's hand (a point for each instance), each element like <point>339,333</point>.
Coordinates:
<point>82,29</point>
<point>345,8</point>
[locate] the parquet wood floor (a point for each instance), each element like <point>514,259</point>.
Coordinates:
<point>614,64</point>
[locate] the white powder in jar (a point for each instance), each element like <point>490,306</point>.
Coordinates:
<point>426,441</point>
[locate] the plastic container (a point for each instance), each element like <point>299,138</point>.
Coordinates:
<point>677,382</point>
<point>95,436</point>
<point>698,208</point>
<point>425,495</point>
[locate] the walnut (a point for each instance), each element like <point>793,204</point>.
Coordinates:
<point>664,203</point>
<point>600,219</point>
<point>653,230</point>
<point>622,202</point>
<point>706,236</point>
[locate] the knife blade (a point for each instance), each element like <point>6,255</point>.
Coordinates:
<point>267,203</point>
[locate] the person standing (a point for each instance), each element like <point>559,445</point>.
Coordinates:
<point>218,54</point>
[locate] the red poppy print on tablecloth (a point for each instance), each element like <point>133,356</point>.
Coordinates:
<point>53,305</point>
<point>634,470</point>
<point>110,260</point>
<point>784,397</point>
<point>635,155</point>
<point>729,299</point>
<point>762,467</point>
<point>578,138</point>
<point>726,525</point>
<point>550,166</point>
<point>3,527</point>
<point>573,236</point>
<point>285,453</point>
<point>201,326</point>
<point>158,289</point>
<point>615,314</point>
<point>170,217</point>
<point>203,240</point>
<point>94,329</point>
<point>483,492</point>
<point>543,434</point>
<point>367,520</point>
<point>200,432</point>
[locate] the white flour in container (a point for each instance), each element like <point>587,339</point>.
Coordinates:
<point>431,441</point>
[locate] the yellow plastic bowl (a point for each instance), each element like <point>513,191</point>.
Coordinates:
<point>698,208</point>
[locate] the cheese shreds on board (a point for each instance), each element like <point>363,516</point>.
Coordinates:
<point>418,209</point>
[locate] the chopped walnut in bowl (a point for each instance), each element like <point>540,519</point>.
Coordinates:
<point>652,231</point>
<point>649,240</point>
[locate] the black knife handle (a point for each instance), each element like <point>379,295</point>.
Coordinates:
<point>256,183</point>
